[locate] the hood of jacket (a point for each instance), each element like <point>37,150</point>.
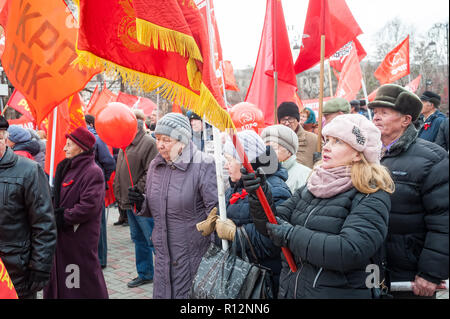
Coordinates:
<point>31,146</point>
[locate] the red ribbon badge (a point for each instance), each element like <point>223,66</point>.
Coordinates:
<point>426,126</point>
<point>68,183</point>
<point>236,196</point>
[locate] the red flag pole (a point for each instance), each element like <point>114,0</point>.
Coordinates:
<point>262,197</point>
<point>275,72</point>
<point>322,58</point>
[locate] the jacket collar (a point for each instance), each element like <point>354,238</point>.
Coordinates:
<point>139,135</point>
<point>404,142</point>
<point>9,159</point>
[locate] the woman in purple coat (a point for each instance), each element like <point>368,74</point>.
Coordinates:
<point>181,190</point>
<point>79,192</point>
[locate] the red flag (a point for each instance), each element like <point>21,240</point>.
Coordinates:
<point>414,84</point>
<point>337,60</point>
<point>177,62</point>
<point>137,102</point>
<point>94,98</point>
<point>40,47</point>
<point>331,18</point>
<point>101,101</point>
<point>176,108</point>
<point>395,65</point>
<point>228,74</point>
<point>372,95</point>
<point>272,57</point>
<point>7,290</point>
<point>314,104</point>
<point>69,117</point>
<point>350,77</point>
<point>18,102</point>
<point>24,122</point>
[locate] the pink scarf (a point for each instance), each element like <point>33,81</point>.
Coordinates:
<point>326,183</point>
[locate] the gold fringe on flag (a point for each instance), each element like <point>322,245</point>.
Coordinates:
<point>204,104</point>
<point>161,38</point>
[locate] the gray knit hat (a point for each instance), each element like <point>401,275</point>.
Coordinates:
<point>282,135</point>
<point>176,126</point>
<point>251,142</point>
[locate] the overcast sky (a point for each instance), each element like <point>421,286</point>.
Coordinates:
<point>240,22</point>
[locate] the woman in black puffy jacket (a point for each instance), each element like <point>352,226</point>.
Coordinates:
<point>335,226</point>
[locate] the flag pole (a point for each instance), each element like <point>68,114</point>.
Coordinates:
<point>216,136</point>
<point>52,154</point>
<point>366,98</point>
<point>275,61</point>
<point>329,79</point>
<point>322,59</point>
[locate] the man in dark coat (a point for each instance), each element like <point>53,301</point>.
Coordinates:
<point>27,224</point>
<point>417,242</point>
<point>431,117</point>
<point>442,136</point>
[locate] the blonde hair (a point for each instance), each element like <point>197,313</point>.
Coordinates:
<point>369,178</point>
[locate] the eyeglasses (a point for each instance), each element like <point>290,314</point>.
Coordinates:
<point>288,119</point>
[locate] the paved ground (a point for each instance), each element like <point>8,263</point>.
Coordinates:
<point>121,267</point>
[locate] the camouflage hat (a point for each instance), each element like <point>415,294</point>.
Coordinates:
<point>335,105</point>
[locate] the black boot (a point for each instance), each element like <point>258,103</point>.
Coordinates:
<point>123,219</point>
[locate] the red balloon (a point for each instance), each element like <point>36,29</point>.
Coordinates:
<point>246,116</point>
<point>116,125</point>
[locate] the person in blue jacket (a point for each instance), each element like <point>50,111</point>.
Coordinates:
<point>431,117</point>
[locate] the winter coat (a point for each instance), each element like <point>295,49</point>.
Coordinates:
<point>178,196</point>
<point>27,224</point>
<point>103,157</point>
<point>333,242</point>
<point>417,242</point>
<point>80,190</point>
<point>298,174</point>
<point>442,136</point>
<point>307,143</point>
<point>430,127</point>
<point>140,153</point>
<point>267,253</point>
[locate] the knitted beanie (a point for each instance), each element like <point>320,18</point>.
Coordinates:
<point>288,109</point>
<point>282,135</point>
<point>82,137</point>
<point>176,126</point>
<point>18,134</point>
<point>251,142</point>
<point>358,132</point>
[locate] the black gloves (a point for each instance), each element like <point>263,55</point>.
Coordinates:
<point>279,234</point>
<point>251,183</point>
<point>59,217</point>
<point>135,197</point>
<point>37,280</point>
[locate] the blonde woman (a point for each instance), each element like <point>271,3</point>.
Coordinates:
<point>336,224</point>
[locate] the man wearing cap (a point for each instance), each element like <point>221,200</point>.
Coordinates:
<point>417,241</point>
<point>289,115</point>
<point>27,222</point>
<point>431,116</point>
<point>198,135</point>
<point>335,107</point>
<point>355,106</point>
<point>140,153</point>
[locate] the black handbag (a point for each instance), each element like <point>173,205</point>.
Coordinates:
<point>263,288</point>
<point>224,275</point>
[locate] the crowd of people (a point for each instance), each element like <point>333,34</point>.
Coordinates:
<point>376,194</point>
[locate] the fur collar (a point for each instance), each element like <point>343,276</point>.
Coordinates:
<point>404,142</point>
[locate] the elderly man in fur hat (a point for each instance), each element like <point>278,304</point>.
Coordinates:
<point>417,241</point>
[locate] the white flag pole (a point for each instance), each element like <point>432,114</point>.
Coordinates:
<point>52,154</point>
<point>366,98</point>
<point>216,138</point>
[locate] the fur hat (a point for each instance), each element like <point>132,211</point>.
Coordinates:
<point>281,135</point>
<point>3,124</point>
<point>17,134</point>
<point>398,98</point>
<point>252,143</point>
<point>176,126</point>
<point>335,105</point>
<point>288,109</point>
<point>82,137</point>
<point>431,97</point>
<point>358,132</point>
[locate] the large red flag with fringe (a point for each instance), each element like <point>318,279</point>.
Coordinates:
<point>331,18</point>
<point>176,61</point>
<point>7,290</point>
<point>39,51</point>
<point>395,65</point>
<point>273,57</point>
<point>338,59</point>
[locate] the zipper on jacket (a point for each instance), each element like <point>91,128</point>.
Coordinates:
<point>296,279</point>
<point>317,277</point>
<point>307,217</point>
<point>5,194</point>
